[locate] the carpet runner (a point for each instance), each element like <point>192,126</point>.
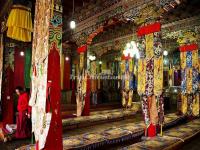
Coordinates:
<point>109,136</point>
<point>171,139</point>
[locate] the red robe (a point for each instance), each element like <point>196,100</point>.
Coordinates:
<point>54,137</point>
<point>23,130</point>
<point>7,102</point>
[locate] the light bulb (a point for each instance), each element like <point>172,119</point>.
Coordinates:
<point>132,54</point>
<point>165,53</point>
<point>67,58</point>
<point>132,43</point>
<point>125,52</point>
<point>100,62</point>
<point>72,24</point>
<point>128,45</point>
<point>21,53</point>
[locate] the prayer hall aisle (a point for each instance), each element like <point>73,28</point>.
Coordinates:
<point>99,74</point>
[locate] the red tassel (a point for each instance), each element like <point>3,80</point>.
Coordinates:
<point>190,47</point>
<point>152,130</point>
<point>151,28</point>
<point>126,57</point>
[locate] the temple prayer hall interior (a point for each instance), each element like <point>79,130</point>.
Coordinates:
<point>99,74</point>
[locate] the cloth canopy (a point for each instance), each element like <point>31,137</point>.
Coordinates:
<point>20,23</point>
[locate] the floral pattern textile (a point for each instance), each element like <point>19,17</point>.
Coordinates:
<point>158,76</point>
<point>195,105</point>
<point>189,80</point>
<point>184,104</point>
<point>141,76</point>
<point>195,59</point>
<point>160,101</point>
<point>183,81</point>
<point>189,59</point>
<point>149,45</point>
<point>183,59</point>
<point>149,77</point>
<point>195,81</point>
<point>145,111</point>
<point>142,47</point>
<point>189,105</point>
<point>157,45</point>
<point>153,110</point>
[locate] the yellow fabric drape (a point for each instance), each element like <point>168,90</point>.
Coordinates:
<point>62,70</point>
<point>149,45</point>
<point>20,23</point>
<point>153,110</point>
<point>130,98</point>
<point>141,76</point>
<point>184,104</point>
<point>158,76</point>
<point>195,105</point>
<point>189,80</point>
<point>81,61</point>
<point>183,59</point>
<point>130,65</point>
<point>123,66</point>
<point>127,81</point>
<point>195,58</point>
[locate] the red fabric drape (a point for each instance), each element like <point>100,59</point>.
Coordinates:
<point>8,102</point>
<point>152,130</point>
<point>126,57</point>
<point>73,96</point>
<point>150,28</point>
<point>190,47</point>
<point>86,110</point>
<point>54,137</point>
<point>66,75</point>
<point>18,68</point>
<point>82,49</point>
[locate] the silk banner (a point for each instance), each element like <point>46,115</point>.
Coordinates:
<point>40,50</point>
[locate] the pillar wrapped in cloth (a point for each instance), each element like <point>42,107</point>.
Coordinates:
<point>40,50</point>
<point>19,22</point>
<point>189,73</point>
<point>150,79</point>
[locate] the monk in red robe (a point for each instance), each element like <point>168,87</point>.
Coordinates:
<point>23,130</point>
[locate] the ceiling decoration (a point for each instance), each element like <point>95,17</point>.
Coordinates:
<point>121,10</point>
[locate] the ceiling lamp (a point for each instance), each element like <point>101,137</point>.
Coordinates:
<point>67,58</point>
<point>92,58</point>
<point>72,22</point>
<point>21,53</point>
<point>132,50</point>
<point>165,53</point>
<point>100,62</point>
